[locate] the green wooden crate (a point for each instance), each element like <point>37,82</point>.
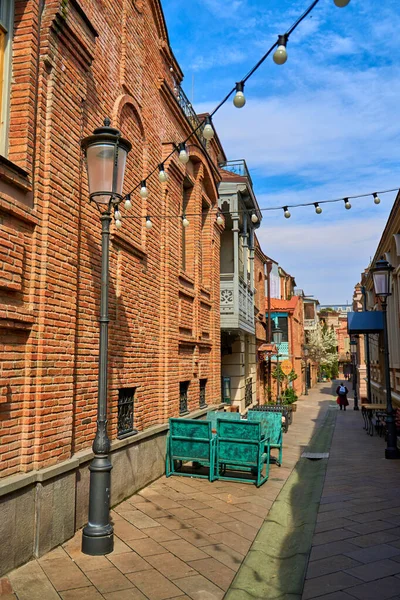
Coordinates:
<point>271,426</point>
<point>190,440</point>
<point>241,447</point>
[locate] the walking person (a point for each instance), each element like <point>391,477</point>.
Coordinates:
<point>342,392</point>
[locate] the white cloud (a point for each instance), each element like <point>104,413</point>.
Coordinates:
<point>219,9</point>
<point>225,57</point>
<point>341,124</point>
<point>326,260</point>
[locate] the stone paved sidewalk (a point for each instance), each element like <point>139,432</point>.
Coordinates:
<point>178,538</point>
<point>356,545</point>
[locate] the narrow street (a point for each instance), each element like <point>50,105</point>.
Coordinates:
<point>187,538</point>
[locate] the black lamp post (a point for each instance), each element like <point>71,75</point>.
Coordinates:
<point>367,348</point>
<point>306,353</point>
<point>353,347</point>
<point>382,283</point>
<point>277,335</point>
<point>105,152</point>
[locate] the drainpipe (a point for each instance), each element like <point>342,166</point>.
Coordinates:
<point>269,330</point>
<point>367,348</point>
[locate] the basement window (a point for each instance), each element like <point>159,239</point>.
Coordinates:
<point>203,386</point>
<point>183,397</point>
<point>125,412</point>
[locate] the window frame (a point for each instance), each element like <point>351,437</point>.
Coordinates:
<point>6,27</point>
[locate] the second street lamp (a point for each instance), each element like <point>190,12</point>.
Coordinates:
<point>306,353</point>
<point>106,153</point>
<point>277,335</point>
<point>353,347</point>
<point>381,274</point>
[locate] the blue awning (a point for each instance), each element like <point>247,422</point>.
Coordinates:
<point>365,322</point>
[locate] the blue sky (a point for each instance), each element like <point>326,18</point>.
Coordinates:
<point>324,125</point>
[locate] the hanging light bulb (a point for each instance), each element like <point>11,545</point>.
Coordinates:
<point>239,99</point>
<point>347,203</point>
<point>118,223</point>
<point>183,155</point>
<point>149,224</point>
<point>117,215</point>
<point>128,203</point>
<point>220,220</point>
<point>280,54</point>
<point>254,218</point>
<point>377,200</point>
<point>162,174</point>
<point>144,192</point>
<point>185,222</point>
<point>208,131</point>
<point>318,209</point>
<point>286,212</point>
<point>341,3</point>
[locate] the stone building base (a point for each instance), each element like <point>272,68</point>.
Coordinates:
<point>42,509</point>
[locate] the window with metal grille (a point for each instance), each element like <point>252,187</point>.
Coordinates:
<point>125,412</point>
<point>203,385</point>
<point>248,399</point>
<point>183,397</point>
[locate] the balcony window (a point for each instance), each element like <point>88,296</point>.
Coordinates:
<point>309,311</point>
<point>283,325</point>
<point>6,29</point>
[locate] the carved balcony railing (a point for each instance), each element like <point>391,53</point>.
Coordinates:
<point>237,305</point>
<point>239,167</point>
<point>190,113</point>
<point>310,323</point>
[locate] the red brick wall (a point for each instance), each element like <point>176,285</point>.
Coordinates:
<point>164,323</point>
<point>260,320</point>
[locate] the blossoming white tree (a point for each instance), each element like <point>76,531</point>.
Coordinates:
<point>322,343</point>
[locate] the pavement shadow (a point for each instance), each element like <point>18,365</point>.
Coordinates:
<point>275,567</point>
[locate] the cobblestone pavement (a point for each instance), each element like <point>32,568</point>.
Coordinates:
<point>356,544</point>
<point>177,538</point>
<point>187,538</point>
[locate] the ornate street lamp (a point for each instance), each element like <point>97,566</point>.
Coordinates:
<point>105,152</point>
<point>381,274</point>
<point>353,348</point>
<point>306,353</point>
<point>277,335</point>
<point>367,349</point>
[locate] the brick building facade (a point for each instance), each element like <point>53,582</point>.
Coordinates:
<point>73,63</point>
<point>288,315</point>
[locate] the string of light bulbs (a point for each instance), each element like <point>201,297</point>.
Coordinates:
<point>280,57</point>
<point>254,218</point>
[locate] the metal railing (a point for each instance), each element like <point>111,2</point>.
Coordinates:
<point>239,167</point>
<point>190,113</point>
<point>248,395</point>
<point>183,397</point>
<point>202,399</point>
<point>125,412</point>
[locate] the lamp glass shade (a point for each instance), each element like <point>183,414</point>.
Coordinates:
<point>277,335</point>
<point>381,283</point>
<point>100,168</point>
<point>106,153</point>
